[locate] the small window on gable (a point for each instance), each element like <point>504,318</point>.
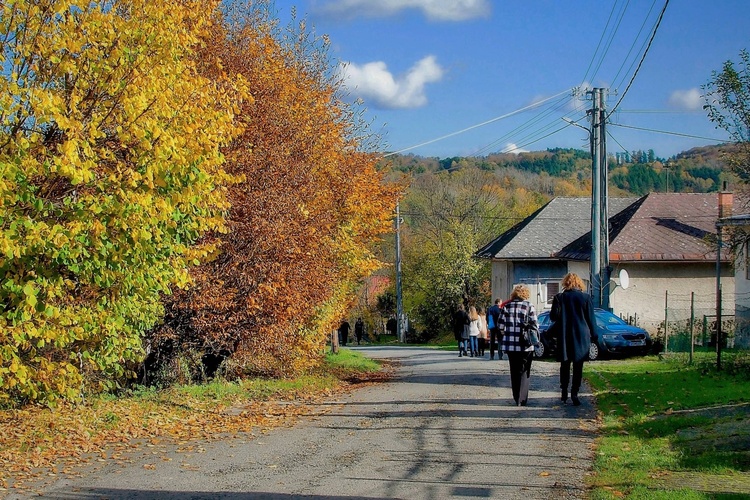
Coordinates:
<point>552,289</point>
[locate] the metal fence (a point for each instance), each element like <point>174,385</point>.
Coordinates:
<point>690,325</point>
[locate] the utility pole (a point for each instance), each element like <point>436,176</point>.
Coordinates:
<point>599,202</point>
<point>399,302</point>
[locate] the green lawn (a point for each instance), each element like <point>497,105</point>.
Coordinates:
<point>671,430</point>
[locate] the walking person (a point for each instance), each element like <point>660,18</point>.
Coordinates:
<point>359,330</point>
<point>344,332</point>
<point>483,332</point>
<point>460,324</point>
<point>473,332</point>
<point>573,323</point>
<point>493,323</point>
<point>516,315</point>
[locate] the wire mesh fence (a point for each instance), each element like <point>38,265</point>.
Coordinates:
<point>691,324</point>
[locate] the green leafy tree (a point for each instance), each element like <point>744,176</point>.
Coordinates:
<point>110,171</point>
<point>448,216</point>
<point>727,96</point>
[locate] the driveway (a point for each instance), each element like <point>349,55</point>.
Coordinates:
<point>442,427</point>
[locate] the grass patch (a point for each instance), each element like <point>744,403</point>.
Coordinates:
<point>346,359</point>
<point>670,430</point>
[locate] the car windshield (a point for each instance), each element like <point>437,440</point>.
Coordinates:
<point>543,319</point>
<point>607,318</point>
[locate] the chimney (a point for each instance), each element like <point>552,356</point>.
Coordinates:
<point>726,199</point>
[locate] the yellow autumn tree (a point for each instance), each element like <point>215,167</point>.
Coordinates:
<point>303,218</point>
<point>110,171</point>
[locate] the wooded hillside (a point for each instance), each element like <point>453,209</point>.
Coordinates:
<point>698,170</point>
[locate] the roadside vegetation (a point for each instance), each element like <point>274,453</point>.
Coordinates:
<point>672,430</point>
<point>40,443</point>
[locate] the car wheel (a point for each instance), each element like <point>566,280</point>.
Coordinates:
<point>593,351</point>
<point>540,350</point>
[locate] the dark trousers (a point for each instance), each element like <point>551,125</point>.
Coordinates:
<point>494,337</point>
<point>520,371</point>
<point>565,376</point>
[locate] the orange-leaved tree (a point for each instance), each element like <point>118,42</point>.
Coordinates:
<point>301,222</point>
<point>110,171</point>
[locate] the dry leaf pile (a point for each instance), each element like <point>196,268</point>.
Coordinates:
<point>38,443</point>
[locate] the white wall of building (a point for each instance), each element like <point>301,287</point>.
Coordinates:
<point>742,298</point>
<point>661,289</point>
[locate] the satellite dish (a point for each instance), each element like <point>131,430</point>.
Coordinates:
<point>624,279</point>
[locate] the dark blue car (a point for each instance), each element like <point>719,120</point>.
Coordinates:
<point>613,336</point>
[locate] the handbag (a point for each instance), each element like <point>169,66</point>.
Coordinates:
<point>528,337</point>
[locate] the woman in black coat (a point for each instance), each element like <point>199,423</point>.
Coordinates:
<point>460,322</point>
<point>574,325</point>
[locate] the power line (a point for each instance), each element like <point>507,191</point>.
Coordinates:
<point>598,46</point>
<point>507,115</point>
<point>632,46</point>
<point>653,35</point>
<point>668,133</point>
<point>527,125</point>
<point>611,38</point>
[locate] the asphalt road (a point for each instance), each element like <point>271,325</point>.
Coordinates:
<point>443,427</point>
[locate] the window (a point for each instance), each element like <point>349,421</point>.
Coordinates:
<point>552,289</point>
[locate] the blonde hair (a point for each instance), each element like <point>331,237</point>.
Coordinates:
<point>473,313</point>
<point>520,292</point>
<point>572,281</point>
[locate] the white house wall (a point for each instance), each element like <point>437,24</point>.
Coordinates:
<point>742,302</point>
<point>662,288</point>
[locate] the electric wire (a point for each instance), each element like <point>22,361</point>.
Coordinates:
<point>630,51</point>
<point>487,122</point>
<point>598,46</point>
<point>643,58</point>
<point>611,38</point>
<point>618,142</point>
<point>667,133</point>
<point>553,109</point>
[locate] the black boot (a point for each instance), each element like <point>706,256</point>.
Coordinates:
<point>564,396</point>
<point>574,398</point>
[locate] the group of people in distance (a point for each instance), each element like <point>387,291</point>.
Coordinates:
<point>359,331</point>
<point>573,325</point>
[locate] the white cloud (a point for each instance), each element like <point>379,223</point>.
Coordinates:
<point>435,10</point>
<point>689,100</point>
<point>512,148</point>
<point>373,83</point>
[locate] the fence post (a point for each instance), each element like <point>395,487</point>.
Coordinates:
<point>692,324</point>
<point>718,330</point>
<point>666,316</point>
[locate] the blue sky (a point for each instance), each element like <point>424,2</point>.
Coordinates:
<point>503,71</point>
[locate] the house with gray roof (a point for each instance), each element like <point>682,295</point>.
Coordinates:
<point>665,241</point>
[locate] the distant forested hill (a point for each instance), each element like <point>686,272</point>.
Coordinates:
<point>698,170</point>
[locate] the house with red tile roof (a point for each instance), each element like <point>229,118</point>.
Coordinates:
<point>665,241</point>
